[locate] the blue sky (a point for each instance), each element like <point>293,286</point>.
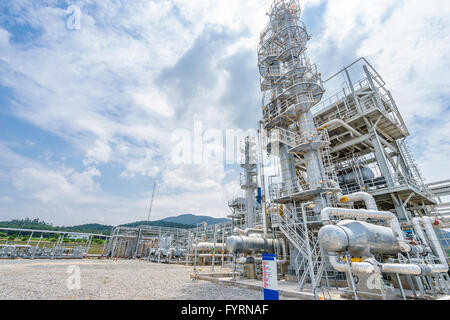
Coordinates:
<point>86,116</point>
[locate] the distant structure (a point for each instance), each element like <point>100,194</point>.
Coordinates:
<point>347,213</point>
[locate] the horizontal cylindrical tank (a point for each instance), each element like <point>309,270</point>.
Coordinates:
<point>350,178</point>
<point>208,246</point>
<point>241,244</point>
<point>359,238</point>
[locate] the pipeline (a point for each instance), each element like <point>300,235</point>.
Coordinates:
<point>252,230</point>
<point>370,202</point>
<point>209,255</point>
<point>239,232</point>
<point>209,246</point>
<point>247,231</point>
<point>435,245</point>
<point>369,267</point>
<point>418,230</point>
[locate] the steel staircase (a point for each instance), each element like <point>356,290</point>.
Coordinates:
<point>294,231</point>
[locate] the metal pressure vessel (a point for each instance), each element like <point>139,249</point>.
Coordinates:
<point>241,244</point>
<point>350,177</point>
<point>360,239</point>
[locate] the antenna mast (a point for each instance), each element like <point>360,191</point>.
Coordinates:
<point>151,203</point>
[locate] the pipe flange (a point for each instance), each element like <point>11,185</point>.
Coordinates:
<point>425,270</point>
<point>404,247</point>
<point>377,266</point>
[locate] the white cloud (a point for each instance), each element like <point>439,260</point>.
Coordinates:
<point>99,152</point>
<point>6,199</point>
<point>143,165</point>
<point>153,103</point>
<point>57,186</point>
<point>411,49</point>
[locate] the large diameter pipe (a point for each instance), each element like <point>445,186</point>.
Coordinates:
<point>284,252</point>
<point>209,246</point>
<point>407,269</point>
<point>418,230</point>
<point>370,268</point>
<point>436,246</point>
<point>239,232</point>
<point>358,267</point>
<point>369,201</point>
<point>253,230</point>
<point>354,213</point>
<point>210,255</point>
<point>242,244</point>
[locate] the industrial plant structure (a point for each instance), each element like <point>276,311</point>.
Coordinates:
<point>348,213</point>
<point>349,201</point>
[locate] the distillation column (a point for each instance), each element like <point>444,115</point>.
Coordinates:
<point>292,86</point>
<point>249,185</point>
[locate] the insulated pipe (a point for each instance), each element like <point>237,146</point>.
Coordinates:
<point>209,255</point>
<point>370,202</point>
<point>418,230</point>
<point>209,246</point>
<point>353,213</point>
<point>239,232</point>
<point>336,185</point>
<point>408,269</point>
<point>435,244</point>
<point>252,230</point>
<point>369,268</point>
<point>358,267</point>
<point>284,251</point>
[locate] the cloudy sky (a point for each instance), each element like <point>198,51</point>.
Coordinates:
<point>87,114</point>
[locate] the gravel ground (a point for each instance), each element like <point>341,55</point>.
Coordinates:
<point>105,280</point>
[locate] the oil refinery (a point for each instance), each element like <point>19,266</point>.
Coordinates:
<point>347,213</point>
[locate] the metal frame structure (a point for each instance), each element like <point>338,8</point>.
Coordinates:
<point>339,155</point>
<point>58,250</point>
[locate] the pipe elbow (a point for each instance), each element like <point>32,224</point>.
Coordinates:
<point>325,215</point>
<point>369,201</point>
<point>358,267</point>
<point>253,230</point>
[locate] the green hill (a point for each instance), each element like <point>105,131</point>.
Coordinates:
<point>191,219</point>
<point>36,224</point>
<point>160,223</point>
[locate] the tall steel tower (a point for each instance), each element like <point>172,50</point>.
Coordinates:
<point>291,86</point>
<point>248,182</point>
